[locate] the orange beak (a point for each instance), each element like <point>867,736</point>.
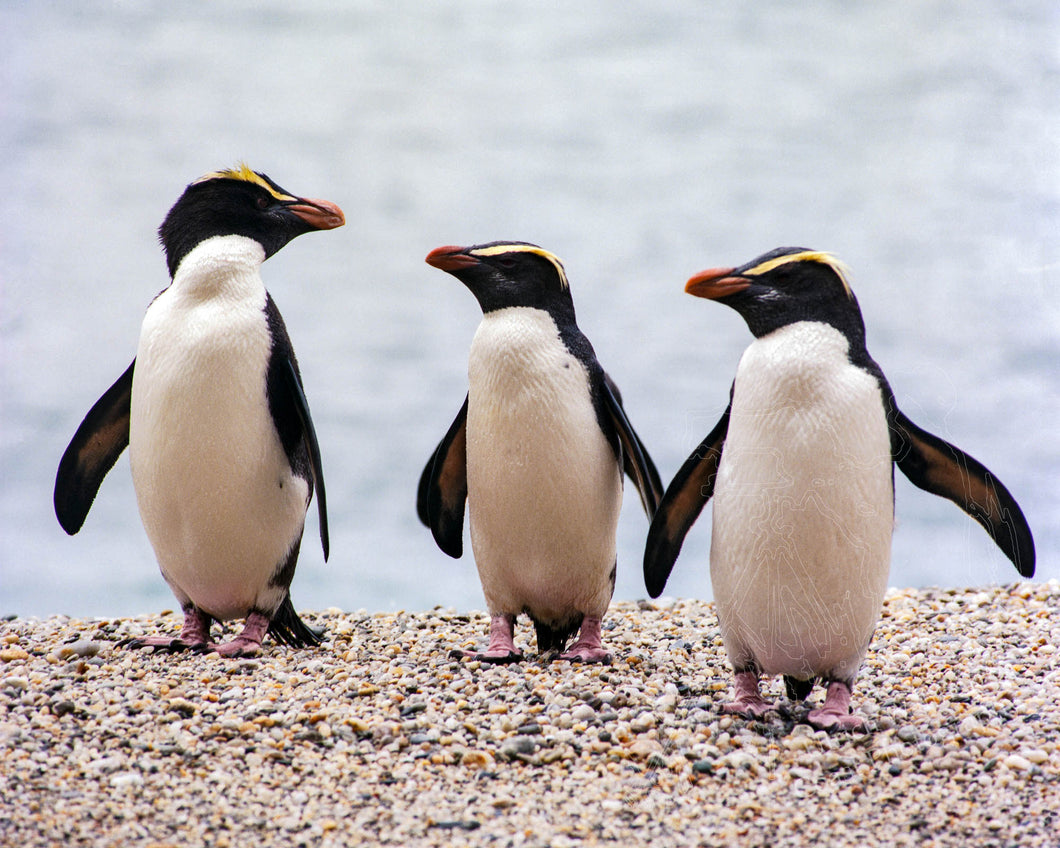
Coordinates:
<point>716,282</point>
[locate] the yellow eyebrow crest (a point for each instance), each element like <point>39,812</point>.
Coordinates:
<point>244,172</point>
<point>498,249</point>
<point>840,268</point>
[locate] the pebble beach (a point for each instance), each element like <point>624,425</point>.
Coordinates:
<point>379,737</point>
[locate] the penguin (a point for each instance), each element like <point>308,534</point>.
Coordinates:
<point>223,451</point>
<point>537,453</point>
<point>801,469</point>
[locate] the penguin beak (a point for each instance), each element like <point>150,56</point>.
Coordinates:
<point>318,214</point>
<point>717,282</point>
<point>451,258</point>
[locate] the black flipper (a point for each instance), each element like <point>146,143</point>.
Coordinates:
<point>943,469</point>
<point>685,497</point>
<point>424,486</point>
<point>309,437</point>
<point>92,452</point>
<point>286,627</point>
<point>636,461</point>
<point>442,490</point>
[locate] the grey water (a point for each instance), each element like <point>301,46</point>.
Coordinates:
<point>641,142</point>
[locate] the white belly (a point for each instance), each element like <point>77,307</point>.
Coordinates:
<point>216,493</point>
<point>544,486</point>
<point>803,508</point>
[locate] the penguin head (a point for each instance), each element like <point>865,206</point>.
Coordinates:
<point>784,286</point>
<point>241,202</point>
<point>508,273</point>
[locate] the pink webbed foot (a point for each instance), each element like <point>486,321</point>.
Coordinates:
<point>834,713</point>
<point>749,702</point>
<point>248,642</point>
<point>589,648</point>
<point>501,647</point>
<point>194,634</point>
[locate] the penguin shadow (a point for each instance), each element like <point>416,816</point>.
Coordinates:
<point>541,659</point>
<point>554,655</point>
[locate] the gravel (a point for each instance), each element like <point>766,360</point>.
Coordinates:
<point>378,737</point>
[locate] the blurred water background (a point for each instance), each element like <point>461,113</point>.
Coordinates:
<point>640,141</point>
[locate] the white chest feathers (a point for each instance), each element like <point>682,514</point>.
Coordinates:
<point>544,485</point>
<point>215,490</point>
<point>803,507</point>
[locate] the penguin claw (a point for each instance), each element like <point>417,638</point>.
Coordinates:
<point>589,647</point>
<point>160,643</point>
<point>586,654</point>
<point>495,657</point>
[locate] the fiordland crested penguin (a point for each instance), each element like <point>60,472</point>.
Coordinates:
<point>801,468</point>
<point>222,449</point>
<point>537,452</point>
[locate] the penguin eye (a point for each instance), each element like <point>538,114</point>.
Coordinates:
<point>262,203</point>
<point>506,262</point>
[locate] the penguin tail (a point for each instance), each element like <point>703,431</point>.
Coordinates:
<point>551,637</point>
<point>288,629</point>
<point>798,690</point>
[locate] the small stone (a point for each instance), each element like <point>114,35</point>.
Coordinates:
<point>667,703</point>
<point>82,648</point>
<point>477,759</point>
<point>643,748</point>
<point>468,824</point>
<point>739,759</point>
<point>64,707</point>
<point>1017,762</point>
<point>519,746</point>
<point>644,722</point>
<point>908,733</point>
<point>583,712</point>
<point>182,706</point>
<point>126,780</point>
<point>105,765</point>
<point>13,655</point>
